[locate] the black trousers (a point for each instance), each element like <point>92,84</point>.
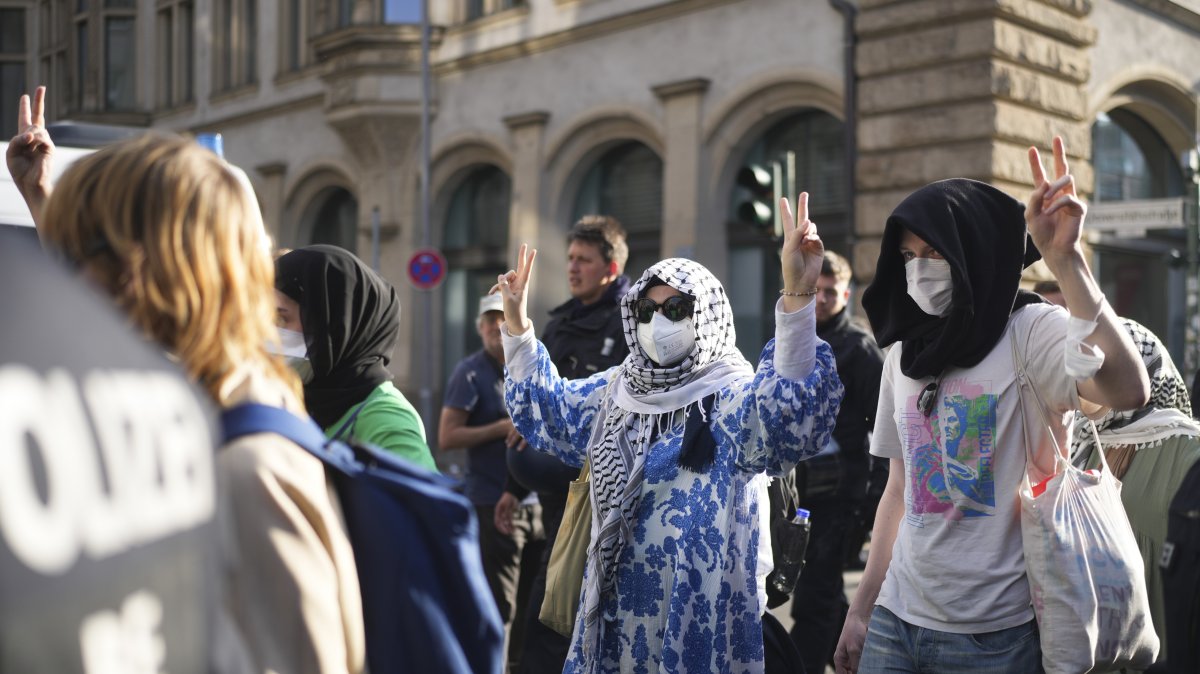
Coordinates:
<point>819,604</point>
<point>779,654</point>
<point>545,650</point>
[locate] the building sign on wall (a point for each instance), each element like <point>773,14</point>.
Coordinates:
<point>1133,218</point>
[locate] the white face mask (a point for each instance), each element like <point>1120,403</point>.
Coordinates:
<point>295,353</point>
<point>666,342</point>
<point>930,284</point>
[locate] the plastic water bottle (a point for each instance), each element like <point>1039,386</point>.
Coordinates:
<point>792,538</point>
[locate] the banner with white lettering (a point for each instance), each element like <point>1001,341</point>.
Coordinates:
<point>107,486</point>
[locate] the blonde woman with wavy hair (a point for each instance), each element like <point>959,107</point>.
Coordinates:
<point>168,231</point>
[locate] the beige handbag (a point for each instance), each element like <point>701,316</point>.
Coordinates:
<point>564,575</point>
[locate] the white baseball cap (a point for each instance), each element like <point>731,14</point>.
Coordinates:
<point>491,303</point>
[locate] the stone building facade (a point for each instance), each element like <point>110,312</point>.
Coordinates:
<point>543,110</point>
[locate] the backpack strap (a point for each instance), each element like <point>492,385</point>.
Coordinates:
<point>251,418</point>
<point>349,425</point>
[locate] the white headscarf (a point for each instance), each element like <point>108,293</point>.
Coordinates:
<point>643,397</point>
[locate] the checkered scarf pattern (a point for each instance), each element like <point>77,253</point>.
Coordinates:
<point>620,441</point>
<point>715,336</point>
<point>1167,389</point>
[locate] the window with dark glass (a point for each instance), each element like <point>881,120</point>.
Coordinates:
<point>56,21</point>
<point>174,45</point>
<point>12,64</point>
<point>816,139</point>
<point>235,61</point>
<point>626,183</point>
<point>475,9</point>
<point>1131,159</point>
<point>120,91</point>
<point>474,240</point>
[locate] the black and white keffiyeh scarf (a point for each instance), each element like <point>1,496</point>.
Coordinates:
<point>1168,414</point>
<point>643,398</point>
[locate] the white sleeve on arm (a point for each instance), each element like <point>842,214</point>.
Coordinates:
<point>1041,332</point>
<point>520,352</point>
<point>885,439</point>
<point>795,341</point>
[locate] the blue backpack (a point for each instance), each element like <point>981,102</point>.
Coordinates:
<point>426,603</point>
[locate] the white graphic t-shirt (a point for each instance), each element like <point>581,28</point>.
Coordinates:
<point>957,565</point>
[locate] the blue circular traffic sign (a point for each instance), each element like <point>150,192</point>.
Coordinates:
<point>427,268</point>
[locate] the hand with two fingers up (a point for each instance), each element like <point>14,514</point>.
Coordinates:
<point>802,254</point>
<point>1055,213</point>
<point>513,287</point>
<point>31,153</point>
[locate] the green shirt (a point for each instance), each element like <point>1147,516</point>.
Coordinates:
<point>390,422</point>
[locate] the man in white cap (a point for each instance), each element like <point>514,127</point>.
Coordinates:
<point>474,418</point>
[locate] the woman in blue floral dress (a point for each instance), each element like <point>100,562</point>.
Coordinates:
<point>682,437</point>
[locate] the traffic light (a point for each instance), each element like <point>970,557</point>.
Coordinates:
<point>763,184</point>
<point>767,184</point>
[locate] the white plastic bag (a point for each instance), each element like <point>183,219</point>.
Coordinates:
<point>1086,576</point>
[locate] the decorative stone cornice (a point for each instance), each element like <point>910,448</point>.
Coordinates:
<point>536,117</point>
<point>694,85</point>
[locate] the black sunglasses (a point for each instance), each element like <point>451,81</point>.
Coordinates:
<point>674,308</point>
<point>927,398</point>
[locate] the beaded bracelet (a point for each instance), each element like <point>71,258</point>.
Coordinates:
<point>807,293</point>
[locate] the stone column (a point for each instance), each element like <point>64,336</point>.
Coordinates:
<point>526,222</point>
<point>681,233</point>
<point>962,88</point>
<point>270,198</point>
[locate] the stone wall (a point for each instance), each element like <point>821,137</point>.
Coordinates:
<point>961,88</point>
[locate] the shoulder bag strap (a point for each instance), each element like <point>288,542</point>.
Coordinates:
<point>1023,382</point>
<point>251,418</point>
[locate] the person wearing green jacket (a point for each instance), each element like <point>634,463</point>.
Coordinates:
<point>339,323</point>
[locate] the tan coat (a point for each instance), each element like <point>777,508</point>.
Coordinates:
<point>291,601</point>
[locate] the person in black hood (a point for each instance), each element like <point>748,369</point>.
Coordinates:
<point>584,336</point>
<point>339,323</point>
<point>946,551</point>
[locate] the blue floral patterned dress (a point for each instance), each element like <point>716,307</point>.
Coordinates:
<point>689,596</point>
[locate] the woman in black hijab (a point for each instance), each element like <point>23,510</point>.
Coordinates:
<point>349,320</point>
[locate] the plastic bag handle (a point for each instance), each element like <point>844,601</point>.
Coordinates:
<point>1023,380</point>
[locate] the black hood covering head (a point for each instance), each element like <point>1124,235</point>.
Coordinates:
<point>981,232</point>
<point>351,318</point>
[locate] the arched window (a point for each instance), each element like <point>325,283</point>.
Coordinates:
<point>332,217</point>
<point>1139,268</point>
<point>1131,159</point>
<point>817,139</point>
<point>626,183</point>
<point>474,240</point>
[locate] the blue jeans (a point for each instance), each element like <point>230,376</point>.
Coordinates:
<point>894,646</point>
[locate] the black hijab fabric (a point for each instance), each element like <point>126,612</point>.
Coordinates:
<point>351,320</point>
<point>981,232</point>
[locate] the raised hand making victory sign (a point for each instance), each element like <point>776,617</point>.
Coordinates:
<point>1054,214</point>
<point>30,153</point>
<point>802,254</point>
<point>514,288</point>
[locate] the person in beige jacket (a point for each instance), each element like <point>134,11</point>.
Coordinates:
<point>165,229</point>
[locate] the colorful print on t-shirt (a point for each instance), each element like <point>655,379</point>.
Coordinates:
<point>951,453</point>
